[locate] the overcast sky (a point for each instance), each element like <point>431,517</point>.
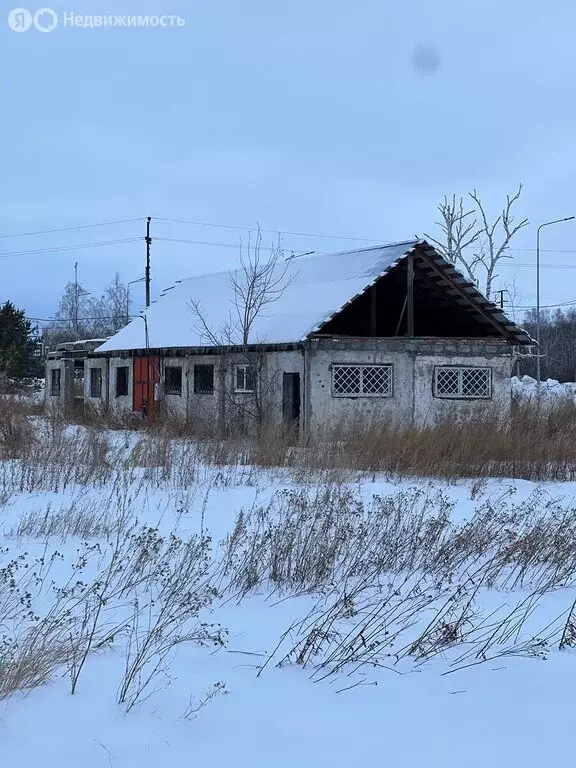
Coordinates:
<point>309,116</point>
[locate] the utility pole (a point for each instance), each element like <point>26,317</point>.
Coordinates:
<point>147,272</point>
<point>501,292</point>
<point>76,299</point>
<point>539,353</point>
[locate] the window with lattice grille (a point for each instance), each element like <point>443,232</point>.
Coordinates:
<point>362,380</point>
<point>460,382</point>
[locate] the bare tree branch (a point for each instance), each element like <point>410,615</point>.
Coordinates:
<point>459,233</point>
<point>476,247</point>
<point>495,252</point>
<point>259,282</point>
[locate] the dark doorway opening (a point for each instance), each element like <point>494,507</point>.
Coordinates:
<point>291,399</point>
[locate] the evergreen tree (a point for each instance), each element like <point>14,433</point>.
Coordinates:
<point>18,346</point>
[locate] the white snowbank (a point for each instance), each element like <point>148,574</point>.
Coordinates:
<point>526,388</point>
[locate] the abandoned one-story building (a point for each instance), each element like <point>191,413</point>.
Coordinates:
<point>391,332</point>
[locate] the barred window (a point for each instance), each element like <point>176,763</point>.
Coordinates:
<point>173,380</point>
<point>95,382</point>
<point>244,378</point>
<point>362,380</point>
<point>461,382</point>
<point>203,379</point>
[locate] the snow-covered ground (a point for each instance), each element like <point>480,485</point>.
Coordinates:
<point>507,710</point>
<point>526,388</point>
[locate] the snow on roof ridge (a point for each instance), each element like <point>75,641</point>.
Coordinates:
<point>364,249</point>
<point>320,285</point>
<point>313,255</point>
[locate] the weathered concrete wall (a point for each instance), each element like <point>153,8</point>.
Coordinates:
<point>276,365</point>
<point>430,410</point>
<point>175,405</point>
<point>226,406</point>
<point>327,411</point>
<point>413,401</point>
<point>120,403</point>
<point>97,363</point>
<point>199,410</point>
<point>65,400</point>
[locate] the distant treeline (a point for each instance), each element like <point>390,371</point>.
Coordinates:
<point>558,344</point>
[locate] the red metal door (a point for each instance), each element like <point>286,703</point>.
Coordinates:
<point>146,380</point>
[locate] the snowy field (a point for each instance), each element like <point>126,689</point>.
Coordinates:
<point>230,615</point>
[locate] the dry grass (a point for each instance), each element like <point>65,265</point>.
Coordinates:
<point>47,454</point>
<point>395,576</point>
<point>31,660</point>
<point>536,444</point>
<point>398,580</point>
<point>16,432</point>
<point>140,590</point>
<point>84,517</point>
<point>307,538</point>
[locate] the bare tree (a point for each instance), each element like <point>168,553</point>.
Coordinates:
<point>474,243</point>
<point>112,309</point>
<point>81,315</point>
<point>513,299</point>
<point>259,282</point>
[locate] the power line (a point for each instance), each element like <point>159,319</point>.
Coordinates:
<point>270,231</point>
<point>227,227</point>
<point>332,237</point>
<point>238,228</point>
<point>210,243</point>
<point>544,250</point>
<point>533,266</point>
<point>70,229</point>
<point>548,306</point>
<point>73,319</point>
<point>65,248</point>
<point>235,245</point>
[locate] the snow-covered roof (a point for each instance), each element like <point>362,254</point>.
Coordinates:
<point>317,288</point>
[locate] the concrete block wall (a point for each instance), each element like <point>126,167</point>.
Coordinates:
<point>413,402</point>
<point>99,402</point>
<point>120,403</point>
<point>65,400</point>
<point>327,411</point>
<point>198,410</point>
<point>275,366</point>
<point>430,410</point>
